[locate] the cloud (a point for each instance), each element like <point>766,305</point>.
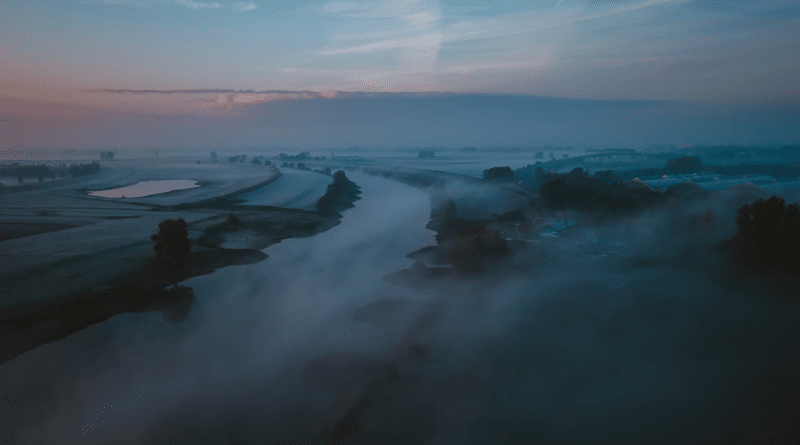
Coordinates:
<point>141,4</point>
<point>245,6</point>
<point>422,42</point>
<point>197,5</point>
<point>421,17</point>
<point>335,7</point>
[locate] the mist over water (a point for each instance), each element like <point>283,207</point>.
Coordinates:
<point>247,325</point>
<point>571,352</point>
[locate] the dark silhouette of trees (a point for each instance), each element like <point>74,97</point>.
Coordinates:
<point>233,159</point>
<point>339,195</point>
<point>684,164</point>
<point>607,176</point>
<point>445,221</point>
<point>172,240</point>
<point>213,156</point>
<point>303,156</point>
<point>474,249</point>
<point>768,236</point>
<point>499,174</point>
<point>539,155</point>
<point>84,169</point>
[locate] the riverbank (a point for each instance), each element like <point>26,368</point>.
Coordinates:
<point>61,284</point>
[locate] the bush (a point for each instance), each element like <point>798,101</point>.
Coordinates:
<point>768,235</point>
<point>607,176</point>
<point>499,174</point>
<point>172,239</point>
<point>472,251</point>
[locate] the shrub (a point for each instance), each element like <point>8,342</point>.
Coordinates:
<point>768,235</point>
<point>472,251</point>
<point>172,239</point>
<point>499,174</point>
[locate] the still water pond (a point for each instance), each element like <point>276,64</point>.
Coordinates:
<point>146,188</point>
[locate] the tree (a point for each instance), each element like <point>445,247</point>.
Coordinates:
<point>499,174</point>
<point>102,155</point>
<point>172,239</point>
<point>475,248</point>
<point>539,155</point>
<point>607,176</point>
<point>213,155</point>
<point>768,235</point>
<point>110,155</point>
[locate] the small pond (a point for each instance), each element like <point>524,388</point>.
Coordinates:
<point>146,188</point>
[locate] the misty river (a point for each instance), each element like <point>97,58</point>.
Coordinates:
<point>576,354</point>
<point>138,378</point>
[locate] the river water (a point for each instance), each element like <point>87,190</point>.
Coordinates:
<point>228,369</point>
<point>563,354</point>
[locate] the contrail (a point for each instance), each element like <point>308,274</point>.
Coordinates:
<point>556,6</point>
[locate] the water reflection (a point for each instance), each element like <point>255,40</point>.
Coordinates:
<point>146,188</point>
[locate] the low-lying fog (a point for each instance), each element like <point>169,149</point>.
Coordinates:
<point>563,354</point>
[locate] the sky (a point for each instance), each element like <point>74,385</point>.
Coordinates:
<point>149,73</point>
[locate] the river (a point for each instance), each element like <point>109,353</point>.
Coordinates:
<point>227,370</point>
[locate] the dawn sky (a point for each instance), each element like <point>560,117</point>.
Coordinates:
<point>73,59</point>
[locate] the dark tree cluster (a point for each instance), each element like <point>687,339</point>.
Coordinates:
<point>445,221</point>
<point>768,236</point>
<point>607,176</point>
<point>172,240</point>
<point>499,174</point>
<point>473,250</point>
<point>339,195</point>
<point>303,156</point>
<point>27,171</point>
<point>107,155</point>
<point>531,176</point>
<point>579,192</point>
<point>84,169</point>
